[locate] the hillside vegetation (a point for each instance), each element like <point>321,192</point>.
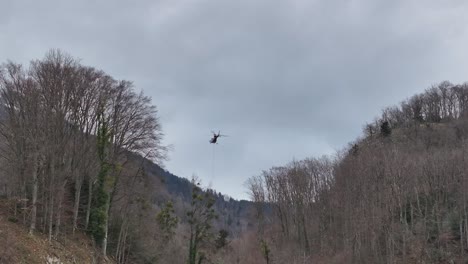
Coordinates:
<point>82,182</point>
<point>397,195</point>
<point>20,247</point>
<point>79,153</point>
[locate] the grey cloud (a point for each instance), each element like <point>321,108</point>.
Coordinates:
<point>283,78</point>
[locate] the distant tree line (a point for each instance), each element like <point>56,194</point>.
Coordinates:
<point>440,103</point>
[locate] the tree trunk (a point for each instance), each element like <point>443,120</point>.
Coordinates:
<point>106,230</point>
<point>460,225</point>
<point>90,200</point>
<point>51,216</point>
<point>466,226</point>
<point>76,206</point>
<point>46,212</point>
<point>59,209</point>
<point>24,207</point>
<point>32,226</point>
<point>119,241</point>
<point>51,201</point>
<point>306,237</point>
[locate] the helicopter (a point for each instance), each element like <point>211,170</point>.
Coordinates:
<point>214,139</point>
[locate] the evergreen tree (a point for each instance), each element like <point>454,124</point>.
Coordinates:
<point>200,216</point>
<point>221,241</point>
<point>98,214</point>
<point>265,250</point>
<point>385,129</point>
<point>167,221</point>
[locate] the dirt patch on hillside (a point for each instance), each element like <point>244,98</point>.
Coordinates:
<point>17,246</point>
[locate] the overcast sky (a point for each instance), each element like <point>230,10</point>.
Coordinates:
<point>284,79</point>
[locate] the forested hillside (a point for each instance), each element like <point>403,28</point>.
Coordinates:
<point>396,195</point>
<point>79,154</point>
